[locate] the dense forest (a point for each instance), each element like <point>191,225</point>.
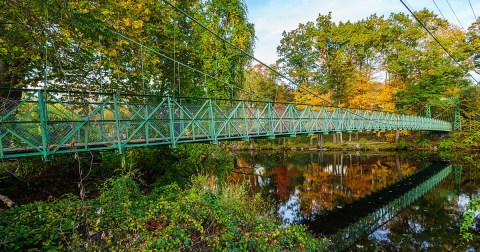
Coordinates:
<point>184,198</point>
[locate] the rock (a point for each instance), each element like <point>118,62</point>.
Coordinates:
<point>7,200</point>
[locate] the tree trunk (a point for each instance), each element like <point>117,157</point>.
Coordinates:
<point>334,135</point>
<point>350,136</point>
<point>311,140</point>
<point>356,136</point>
<point>399,166</point>
<point>320,140</point>
<point>397,136</point>
<point>340,135</point>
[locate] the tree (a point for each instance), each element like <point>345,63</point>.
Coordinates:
<point>123,46</point>
<point>264,84</point>
<point>343,61</point>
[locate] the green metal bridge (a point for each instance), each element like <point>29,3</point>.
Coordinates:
<point>45,123</point>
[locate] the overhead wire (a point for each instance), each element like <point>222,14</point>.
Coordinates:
<point>441,113</point>
<point>441,13</point>
<point>455,14</point>
<point>167,57</point>
<point>471,7</point>
<point>120,35</point>
<point>259,61</point>
<point>244,52</point>
<point>438,41</point>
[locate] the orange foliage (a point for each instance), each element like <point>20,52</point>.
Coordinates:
<point>282,175</point>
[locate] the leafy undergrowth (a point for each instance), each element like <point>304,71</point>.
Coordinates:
<point>203,217</point>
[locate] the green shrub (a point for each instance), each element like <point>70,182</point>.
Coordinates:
<point>422,142</point>
<point>402,145</point>
<point>205,216</point>
<point>446,143</point>
<point>468,219</point>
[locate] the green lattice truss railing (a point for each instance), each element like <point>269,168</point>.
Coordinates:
<point>53,122</point>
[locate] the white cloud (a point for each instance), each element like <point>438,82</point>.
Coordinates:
<point>272,17</point>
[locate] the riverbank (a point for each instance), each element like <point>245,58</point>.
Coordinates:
<point>380,141</point>
<point>205,216</point>
<point>161,198</point>
<point>147,199</point>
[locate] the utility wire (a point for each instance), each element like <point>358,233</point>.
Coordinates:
<point>455,14</point>
<point>436,39</point>
<point>409,4</point>
<point>475,15</point>
<point>441,13</point>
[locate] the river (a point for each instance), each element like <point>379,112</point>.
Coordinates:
<point>360,201</point>
<point>369,201</point>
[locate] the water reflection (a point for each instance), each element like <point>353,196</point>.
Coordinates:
<point>431,222</point>
<point>304,184</point>
<point>347,196</point>
<point>363,217</point>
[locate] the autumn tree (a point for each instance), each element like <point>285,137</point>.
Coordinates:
<point>125,46</point>
<point>378,63</point>
<point>264,84</point>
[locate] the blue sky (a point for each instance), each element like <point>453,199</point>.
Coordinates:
<point>272,17</point>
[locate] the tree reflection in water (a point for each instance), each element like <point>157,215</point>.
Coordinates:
<point>307,184</point>
<point>317,182</point>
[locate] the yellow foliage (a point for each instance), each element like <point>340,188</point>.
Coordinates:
<point>107,12</point>
<point>122,42</point>
<point>66,33</point>
<point>137,24</point>
<point>303,97</point>
<point>126,21</point>
<point>112,52</point>
<point>374,95</point>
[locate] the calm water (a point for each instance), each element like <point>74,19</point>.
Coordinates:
<point>362,202</point>
<point>366,202</point>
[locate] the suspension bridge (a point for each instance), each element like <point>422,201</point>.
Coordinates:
<point>45,122</point>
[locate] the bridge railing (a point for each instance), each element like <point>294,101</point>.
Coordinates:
<point>44,122</point>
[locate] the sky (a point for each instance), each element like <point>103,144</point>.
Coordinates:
<point>272,17</point>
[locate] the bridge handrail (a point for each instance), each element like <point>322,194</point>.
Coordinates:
<point>82,92</point>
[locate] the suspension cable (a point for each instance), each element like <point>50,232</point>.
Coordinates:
<point>471,7</point>
<point>436,40</point>
<point>170,58</point>
<point>45,86</point>
<point>246,53</point>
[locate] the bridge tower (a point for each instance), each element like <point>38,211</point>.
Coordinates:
<point>457,120</point>
<point>428,111</point>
